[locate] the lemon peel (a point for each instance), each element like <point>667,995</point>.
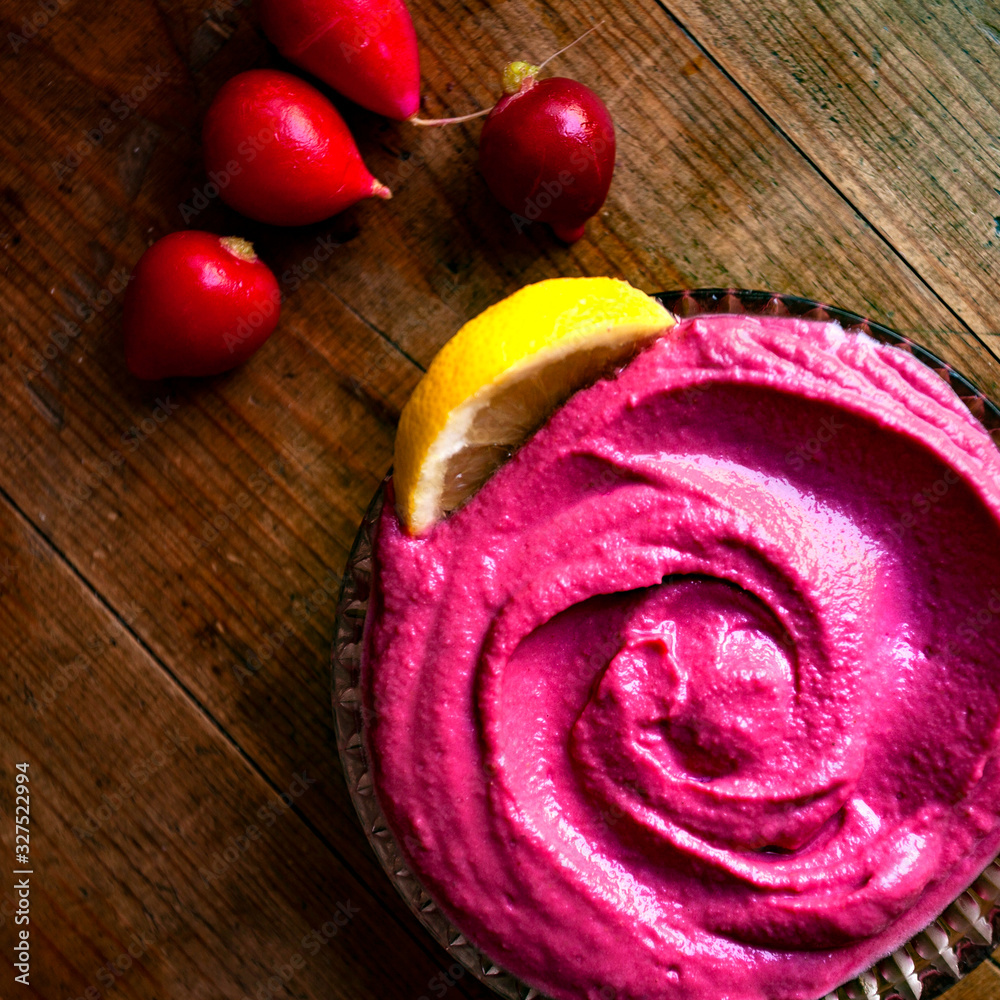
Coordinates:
<point>496,381</point>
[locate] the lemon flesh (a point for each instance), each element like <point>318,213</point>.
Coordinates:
<point>497,380</point>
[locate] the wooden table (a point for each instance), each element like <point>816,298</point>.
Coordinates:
<point>170,553</point>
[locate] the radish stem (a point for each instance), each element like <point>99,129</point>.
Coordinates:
<point>448,121</point>
<point>239,247</point>
<point>571,44</point>
<point>428,122</point>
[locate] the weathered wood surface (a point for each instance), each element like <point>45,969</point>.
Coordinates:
<point>151,831</point>
<point>896,104</point>
<point>188,536</point>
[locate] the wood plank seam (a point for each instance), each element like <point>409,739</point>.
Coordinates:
<point>302,530</point>
<point>371,326</point>
<point>773,124</point>
<point>420,940</point>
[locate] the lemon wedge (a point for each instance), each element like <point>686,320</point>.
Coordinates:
<point>497,380</point>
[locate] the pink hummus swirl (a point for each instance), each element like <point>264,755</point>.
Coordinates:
<point>697,698</point>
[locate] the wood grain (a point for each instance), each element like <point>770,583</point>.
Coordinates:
<point>151,831</point>
<point>197,529</point>
<point>896,104</point>
<point>982,984</point>
<point>706,193</point>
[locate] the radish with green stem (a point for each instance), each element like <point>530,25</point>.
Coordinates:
<point>547,149</point>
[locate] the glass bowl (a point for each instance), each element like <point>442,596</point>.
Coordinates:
<point>925,967</point>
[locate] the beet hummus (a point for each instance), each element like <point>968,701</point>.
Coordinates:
<point>698,697</point>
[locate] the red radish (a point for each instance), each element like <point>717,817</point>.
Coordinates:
<point>364,49</point>
<point>547,151</point>
<point>197,304</point>
<point>280,152</point>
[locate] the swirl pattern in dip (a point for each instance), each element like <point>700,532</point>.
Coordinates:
<point>697,698</point>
